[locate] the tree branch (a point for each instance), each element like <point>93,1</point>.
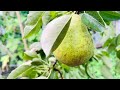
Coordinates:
<point>21,29</point>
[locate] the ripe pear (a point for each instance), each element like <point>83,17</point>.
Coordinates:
<point>77,46</point>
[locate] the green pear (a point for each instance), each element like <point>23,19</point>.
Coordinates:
<point>77,46</point>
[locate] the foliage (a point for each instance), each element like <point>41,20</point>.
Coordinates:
<point>38,62</point>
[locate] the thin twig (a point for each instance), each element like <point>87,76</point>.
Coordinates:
<point>55,63</point>
<point>21,29</point>
<point>58,72</point>
<point>57,69</point>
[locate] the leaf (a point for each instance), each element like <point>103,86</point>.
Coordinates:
<point>33,23</point>
<point>42,54</point>
<point>26,57</point>
<point>110,15</point>
<point>24,78</point>
<point>91,22</point>
<point>118,54</point>
<point>36,46</point>
<point>107,61</point>
<point>52,60</point>
<point>31,53</point>
<point>36,62</point>
<point>19,70</point>
<point>112,46</point>
<point>117,67</point>
<point>41,77</point>
<point>107,34</point>
<point>118,47</point>
<point>31,73</point>
<point>106,72</point>
<point>118,39</point>
<point>52,31</point>
<point>65,67</point>
<point>96,16</point>
<point>107,42</point>
<point>46,18</point>
<point>53,14</point>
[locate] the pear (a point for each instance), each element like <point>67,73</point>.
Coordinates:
<point>77,46</point>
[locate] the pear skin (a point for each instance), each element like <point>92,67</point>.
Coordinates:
<point>77,46</point>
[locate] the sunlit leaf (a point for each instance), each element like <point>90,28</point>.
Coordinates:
<point>91,22</point>
<point>31,73</point>
<point>19,70</point>
<point>33,23</point>
<point>96,16</point>
<point>110,15</point>
<point>53,31</point>
<point>36,62</point>
<point>27,57</point>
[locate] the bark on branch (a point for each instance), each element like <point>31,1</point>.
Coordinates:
<point>21,29</point>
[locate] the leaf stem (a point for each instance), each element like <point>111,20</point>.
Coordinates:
<point>102,19</point>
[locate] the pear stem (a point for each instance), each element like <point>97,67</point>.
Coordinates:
<point>58,72</point>
<point>57,69</point>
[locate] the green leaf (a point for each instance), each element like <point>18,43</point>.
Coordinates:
<point>118,47</point>
<point>31,53</point>
<point>118,54</point>
<point>48,16</point>
<point>26,57</point>
<point>42,54</point>
<point>36,46</point>
<point>53,14</point>
<point>110,15</point>
<point>52,31</point>
<point>107,42</point>
<point>91,22</point>
<point>106,72</point>
<point>19,70</point>
<point>36,62</point>
<point>107,61</point>
<point>96,16</point>
<point>117,67</point>
<point>31,73</point>
<point>118,39</point>
<point>33,23</point>
<point>112,46</point>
